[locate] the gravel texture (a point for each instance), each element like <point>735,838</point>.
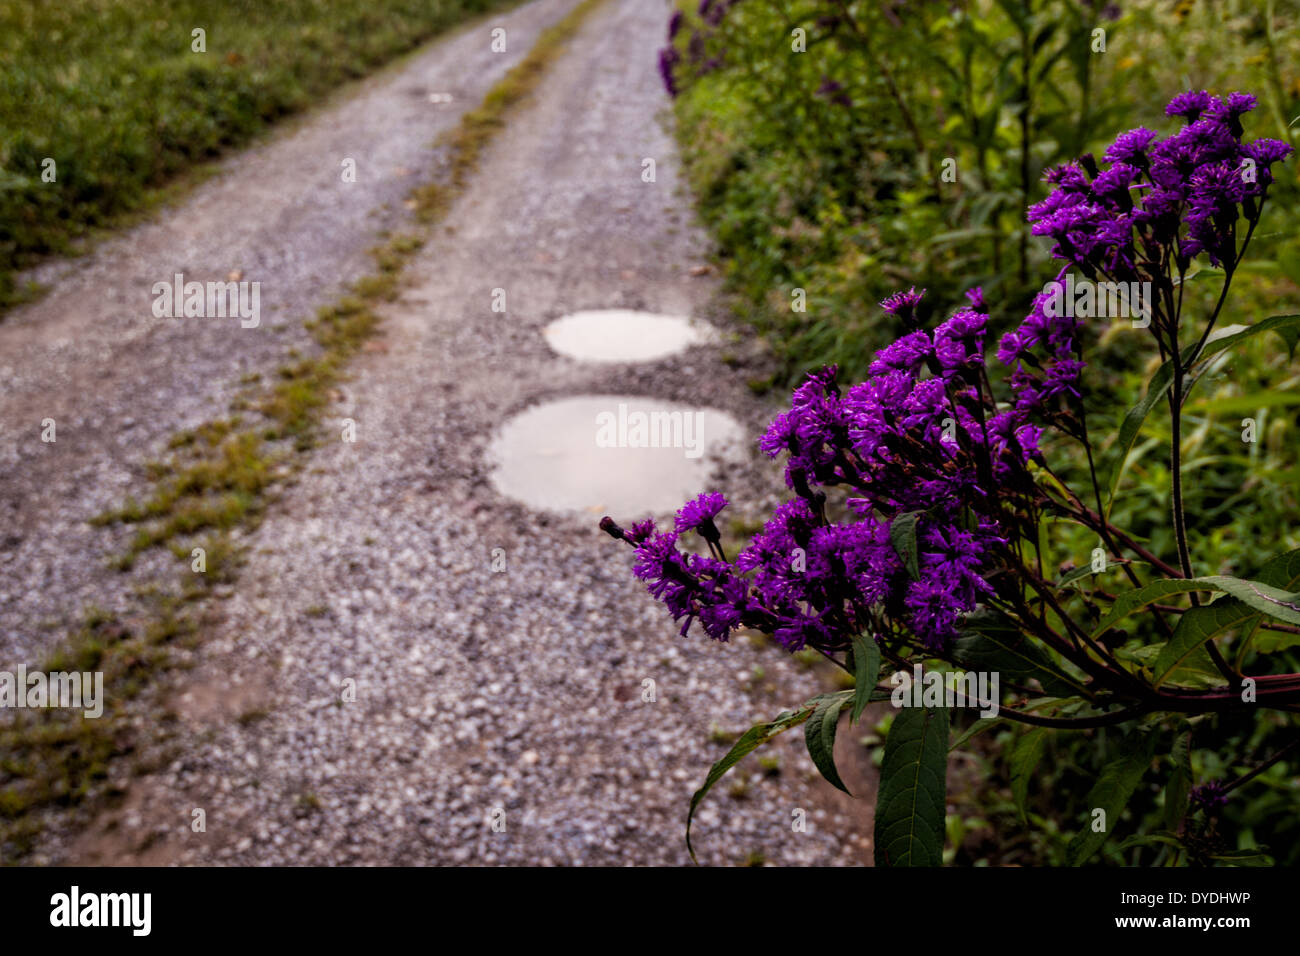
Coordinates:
<point>481,696</point>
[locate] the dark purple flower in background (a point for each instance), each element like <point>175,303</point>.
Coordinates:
<point>675,24</point>
<point>1111,11</point>
<point>668,58</point>
<point>833,90</point>
<point>1208,796</point>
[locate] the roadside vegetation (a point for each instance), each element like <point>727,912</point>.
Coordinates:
<point>842,151</point>
<point>115,93</point>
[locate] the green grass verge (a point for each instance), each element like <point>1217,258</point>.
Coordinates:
<point>113,92</point>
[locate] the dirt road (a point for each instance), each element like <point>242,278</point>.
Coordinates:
<point>412,668</point>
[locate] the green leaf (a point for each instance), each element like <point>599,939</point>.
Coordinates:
<point>992,642</point>
<point>1282,571</point>
<point>1152,839</point>
<point>1286,326</point>
<point>1111,793</point>
<point>1131,426</point>
<point>902,535</point>
<point>912,803</point>
<point>1272,593</point>
<point>1197,672</point>
<point>1245,404</point>
<point>1195,627</point>
<point>866,671</point>
<point>1073,575</point>
<point>978,727</point>
<point>819,735</point>
<point>1180,782</point>
<point>1280,603</point>
<point>1243,858</point>
<point>750,741</point>
<point>1270,642</point>
<point>1130,601</point>
<point>1025,755</point>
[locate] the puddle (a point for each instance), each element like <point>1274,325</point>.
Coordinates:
<point>597,454</point>
<point>623,335</point>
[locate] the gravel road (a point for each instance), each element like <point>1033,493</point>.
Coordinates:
<point>498,714</point>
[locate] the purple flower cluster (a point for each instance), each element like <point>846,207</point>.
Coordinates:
<point>920,439</point>
<point>1042,353</point>
<point>1183,193</point>
<point>931,476</point>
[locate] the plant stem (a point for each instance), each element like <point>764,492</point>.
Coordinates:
<point>1246,778</point>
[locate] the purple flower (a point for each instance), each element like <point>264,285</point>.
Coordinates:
<point>1238,103</point>
<point>932,612</point>
<point>1263,153</point>
<point>907,354</point>
<point>698,515</point>
<point>959,342</point>
<point>1266,152</point>
<point>903,304</point>
<point>727,609</point>
<point>1190,105</point>
<point>668,58</point>
<point>1176,198</point>
<point>1130,147</point>
<point>1208,796</point>
<point>834,91</point>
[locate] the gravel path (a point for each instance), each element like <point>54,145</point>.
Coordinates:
<point>481,696</point>
<point>119,382</point>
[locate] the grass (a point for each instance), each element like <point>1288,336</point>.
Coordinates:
<point>113,92</point>
<point>219,478</point>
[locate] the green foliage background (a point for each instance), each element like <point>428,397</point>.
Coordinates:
<point>846,200</point>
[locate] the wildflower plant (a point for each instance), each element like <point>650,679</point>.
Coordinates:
<point>927,498</point>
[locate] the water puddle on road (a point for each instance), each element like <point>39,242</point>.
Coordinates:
<point>626,456</point>
<point>623,335</point>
